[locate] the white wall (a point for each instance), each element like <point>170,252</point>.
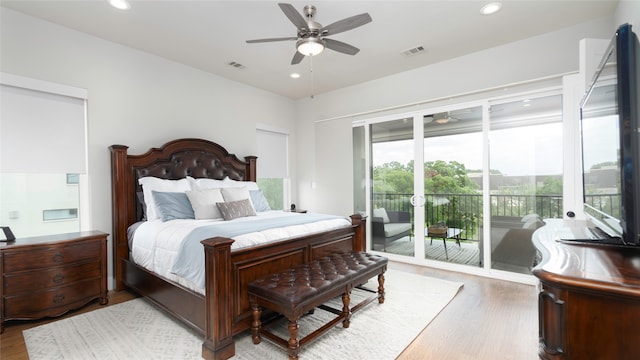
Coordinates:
<point>628,11</point>
<point>135,98</point>
<point>542,56</point>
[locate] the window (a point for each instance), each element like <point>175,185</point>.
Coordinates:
<point>42,156</point>
<point>59,214</point>
<point>273,152</point>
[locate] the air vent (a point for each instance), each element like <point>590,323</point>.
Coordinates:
<point>414,51</point>
<point>236,65</point>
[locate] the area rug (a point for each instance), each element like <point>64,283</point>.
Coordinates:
<point>137,330</point>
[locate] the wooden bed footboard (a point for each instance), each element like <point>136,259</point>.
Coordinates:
<point>224,310</point>
<point>228,274</point>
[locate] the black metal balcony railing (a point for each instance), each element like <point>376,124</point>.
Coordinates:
<point>464,211</point>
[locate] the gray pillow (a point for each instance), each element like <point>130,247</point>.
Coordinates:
<point>172,205</point>
<point>260,203</point>
<point>235,209</point>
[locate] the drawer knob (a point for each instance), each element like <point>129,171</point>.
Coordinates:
<point>58,278</point>
<point>58,298</point>
<point>58,257</point>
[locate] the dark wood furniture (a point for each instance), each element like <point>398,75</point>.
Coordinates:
<point>399,226</point>
<point>299,290</point>
<point>223,311</point>
<point>589,300</point>
<point>50,275</point>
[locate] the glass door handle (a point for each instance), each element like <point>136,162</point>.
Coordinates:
<point>417,200</point>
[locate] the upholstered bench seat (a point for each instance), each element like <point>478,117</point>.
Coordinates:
<point>300,289</point>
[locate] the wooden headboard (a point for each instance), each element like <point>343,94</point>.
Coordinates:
<point>174,160</point>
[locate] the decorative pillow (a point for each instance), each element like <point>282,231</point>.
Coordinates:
<point>204,183</point>
<point>529,217</point>
<point>204,202</point>
<point>235,194</point>
<point>251,185</point>
<point>381,212</point>
<point>258,200</point>
<point>151,183</point>
<point>533,224</point>
<point>172,205</point>
<point>143,206</point>
<point>235,209</point>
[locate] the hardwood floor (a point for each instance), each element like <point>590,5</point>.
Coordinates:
<point>488,319</point>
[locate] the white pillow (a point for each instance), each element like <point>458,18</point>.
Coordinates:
<point>204,202</point>
<point>235,194</point>
<point>150,183</point>
<point>533,224</point>
<point>251,185</point>
<point>381,212</point>
<point>204,183</point>
<point>529,217</point>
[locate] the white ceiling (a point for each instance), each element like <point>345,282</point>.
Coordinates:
<point>209,34</point>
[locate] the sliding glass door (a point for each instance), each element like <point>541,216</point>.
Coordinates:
<point>453,185</point>
<point>465,184</point>
<point>526,177</point>
<point>392,186</point>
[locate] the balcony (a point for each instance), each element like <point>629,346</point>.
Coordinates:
<point>512,224</point>
<point>464,211</point>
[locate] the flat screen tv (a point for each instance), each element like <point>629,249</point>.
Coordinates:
<point>610,148</point>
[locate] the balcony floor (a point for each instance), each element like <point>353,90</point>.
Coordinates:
<point>466,253</point>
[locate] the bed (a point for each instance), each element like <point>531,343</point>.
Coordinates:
<point>221,308</point>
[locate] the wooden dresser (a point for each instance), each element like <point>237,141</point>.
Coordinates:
<point>589,300</point>
<point>47,276</point>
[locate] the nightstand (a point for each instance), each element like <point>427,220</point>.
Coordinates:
<point>47,276</point>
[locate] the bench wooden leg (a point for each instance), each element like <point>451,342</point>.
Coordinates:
<point>294,344</point>
<point>256,313</point>
<point>346,311</point>
<point>381,288</point>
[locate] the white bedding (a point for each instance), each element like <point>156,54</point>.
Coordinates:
<point>155,243</point>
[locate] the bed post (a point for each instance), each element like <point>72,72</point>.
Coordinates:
<point>218,342</point>
<point>250,174</point>
<point>120,211</point>
<point>359,238</point>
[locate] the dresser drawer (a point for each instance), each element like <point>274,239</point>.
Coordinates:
<point>31,281</point>
<point>51,302</point>
<point>45,257</point>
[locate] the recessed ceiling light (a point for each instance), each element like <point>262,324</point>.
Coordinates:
<point>491,8</point>
<point>294,75</point>
<point>120,4</point>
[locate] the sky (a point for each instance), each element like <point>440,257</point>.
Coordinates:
<point>517,151</point>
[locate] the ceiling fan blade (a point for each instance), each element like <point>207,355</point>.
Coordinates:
<point>341,47</point>
<point>346,24</point>
<point>297,57</point>
<point>271,39</point>
<point>294,16</point>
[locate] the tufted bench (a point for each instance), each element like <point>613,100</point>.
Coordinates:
<point>302,288</point>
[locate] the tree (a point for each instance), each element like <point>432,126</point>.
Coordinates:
<point>393,178</point>
<point>393,183</point>
<point>442,177</point>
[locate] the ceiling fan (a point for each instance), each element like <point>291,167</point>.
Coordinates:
<point>312,38</point>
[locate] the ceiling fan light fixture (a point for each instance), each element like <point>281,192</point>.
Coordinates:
<point>310,46</point>
<point>443,120</point>
<point>120,4</point>
<point>491,8</point>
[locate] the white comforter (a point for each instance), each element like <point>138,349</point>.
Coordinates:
<point>155,243</point>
